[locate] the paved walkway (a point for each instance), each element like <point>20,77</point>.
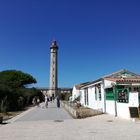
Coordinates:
<point>43,113</point>
<point>32,126</point>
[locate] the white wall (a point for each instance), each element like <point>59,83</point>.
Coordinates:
<point>123,110</point>
<point>103,97</point>
<point>91,97</point>
<point>108,84</point>
<point>75,93</point>
<point>82,100</point>
<point>110,107</point>
<point>93,103</point>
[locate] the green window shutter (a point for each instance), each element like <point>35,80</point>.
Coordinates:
<point>109,94</point>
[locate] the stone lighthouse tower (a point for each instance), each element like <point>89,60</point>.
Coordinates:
<point>53,69</point>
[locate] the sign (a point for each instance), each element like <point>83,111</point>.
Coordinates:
<point>134,99</point>
<point>123,95</point>
<point>134,113</point>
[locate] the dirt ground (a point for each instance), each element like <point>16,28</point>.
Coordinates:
<point>9,115</point>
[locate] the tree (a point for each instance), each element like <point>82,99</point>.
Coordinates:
<point>5,91</point>
<point>16,79</point>
<point>12,89</point>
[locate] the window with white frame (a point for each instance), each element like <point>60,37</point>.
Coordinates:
<point>86,96</point>
<point>95,93</point>
<point>98,92</point>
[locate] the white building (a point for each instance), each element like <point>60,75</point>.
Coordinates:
<point>76,90</point>
<point>115,94</point>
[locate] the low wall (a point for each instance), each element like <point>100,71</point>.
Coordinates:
<point>71,110</point>
<point>81,112</point>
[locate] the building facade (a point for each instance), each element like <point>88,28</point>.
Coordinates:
<point>46,91</point>
<point>76,90</point>
<point>116,94</point>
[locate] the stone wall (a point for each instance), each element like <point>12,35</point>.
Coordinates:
<point>80,112</point>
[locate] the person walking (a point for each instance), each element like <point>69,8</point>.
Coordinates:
<point>46,101</point>
<point>38,102</point>
<point>58,102</point>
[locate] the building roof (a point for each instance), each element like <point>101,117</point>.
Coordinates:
<point>123,76</point>
<point>120,77</point>
<point>78,86</point>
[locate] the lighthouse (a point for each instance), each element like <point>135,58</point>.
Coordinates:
<point>53,87</point>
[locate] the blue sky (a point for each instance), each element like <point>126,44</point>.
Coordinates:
<point>95,38</point>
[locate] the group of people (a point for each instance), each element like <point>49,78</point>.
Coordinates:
<point>36,101</point>
<point>51,99</point>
